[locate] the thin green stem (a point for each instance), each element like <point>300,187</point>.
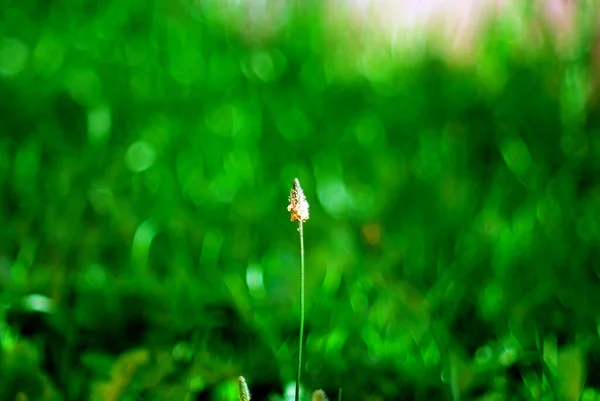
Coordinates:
<point>300,340</point>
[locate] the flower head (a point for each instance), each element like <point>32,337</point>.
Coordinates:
<point>319,395</point>
<point>298,206</point>
<point>243,387</point>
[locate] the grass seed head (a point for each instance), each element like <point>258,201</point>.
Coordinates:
<point>243,387</point>
<point>298,206</point>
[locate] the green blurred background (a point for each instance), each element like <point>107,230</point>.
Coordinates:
<point>146,155</point>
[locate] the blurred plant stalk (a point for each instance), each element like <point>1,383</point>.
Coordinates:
<point>298,209</point>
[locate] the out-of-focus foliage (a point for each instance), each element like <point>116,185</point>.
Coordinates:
<point>146,154</point>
